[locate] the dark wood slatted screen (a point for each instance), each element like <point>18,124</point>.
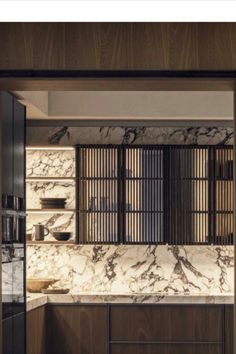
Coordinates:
<point>97,182</point>
<point>155,194</point>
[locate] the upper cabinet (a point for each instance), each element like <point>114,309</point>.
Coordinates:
<point>133,194</point>
<point>155,194</point>
<point>12,166</point>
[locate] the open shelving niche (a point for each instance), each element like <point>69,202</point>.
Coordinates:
<point>50,177</point>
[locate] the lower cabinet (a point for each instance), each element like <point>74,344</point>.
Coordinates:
<point>36,331</point>
<point>130,329</point>
<point>229,329</point>
<point>74,329</point>
<point>167,323</point>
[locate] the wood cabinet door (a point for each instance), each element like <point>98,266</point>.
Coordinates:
<point>229,329</point>
<point>36,331</point>
<point>195,323</point>
<point>77,329</point>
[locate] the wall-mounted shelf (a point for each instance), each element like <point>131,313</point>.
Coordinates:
<point>50,148</point>
<point>50,243</point>
<point>50,179</point>
<point>50,210</point>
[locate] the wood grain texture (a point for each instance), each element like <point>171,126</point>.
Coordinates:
<point>167,349</point>
<point>229,329</point>
<point>36,331</point>
<point>167,323</point>
<point>77,329</point>
<point>117,84</point>
<point>118,46</point>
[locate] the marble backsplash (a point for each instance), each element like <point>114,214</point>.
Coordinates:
<point>170,269</point>
<point>70,136</point>
<point>145,269</point>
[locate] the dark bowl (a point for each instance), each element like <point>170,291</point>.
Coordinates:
<point>62,236</point>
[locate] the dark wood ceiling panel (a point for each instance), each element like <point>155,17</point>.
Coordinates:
<point>183,46</point>
<point>49,45</point>
<point>118,46</point>
<point>217,46</point>
<point>16,46</point>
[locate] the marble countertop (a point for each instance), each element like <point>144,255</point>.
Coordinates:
<point>37,300</point>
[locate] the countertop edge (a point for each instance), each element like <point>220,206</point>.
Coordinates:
<point>36,300</point>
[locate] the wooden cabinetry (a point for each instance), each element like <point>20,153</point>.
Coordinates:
<point>130,329</point>
<point>167,323</point>
<point>167,329</point>
<point>166,349</point>
<point>36,331</point>
<point>229,329</point>
<point>77,329</point>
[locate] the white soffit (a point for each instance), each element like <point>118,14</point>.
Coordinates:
<point>129,105</point>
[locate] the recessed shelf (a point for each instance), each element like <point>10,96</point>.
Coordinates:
<point>50,242</point>
<point>98,211</point>
<point>32,211</point>
<point>49,179</point>
<point>50,148</point>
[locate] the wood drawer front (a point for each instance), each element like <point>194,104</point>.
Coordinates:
<point>166,349</point>
<point>167,323</point>
<point>77,329</point>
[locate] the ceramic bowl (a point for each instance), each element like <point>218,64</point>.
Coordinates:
<point>35,285</point>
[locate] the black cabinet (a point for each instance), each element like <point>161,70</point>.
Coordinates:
<point>14,334</point>
<point>12,223</point>
<point>7,336</point>
<point>6,129</point>
<point>19,335</point>
<point>19,152</point>
<point>12,163</point>
<point>154,194</point>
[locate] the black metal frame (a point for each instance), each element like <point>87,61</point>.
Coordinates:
<point>181,74</point>
<point>180,211</point>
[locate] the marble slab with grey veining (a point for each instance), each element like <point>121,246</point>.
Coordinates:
<point>50,163</point>
<point>70,136</point>
<point>135,269</point>
<point>37,300</point>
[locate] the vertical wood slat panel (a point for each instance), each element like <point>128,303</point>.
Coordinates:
<point>189,202</point>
